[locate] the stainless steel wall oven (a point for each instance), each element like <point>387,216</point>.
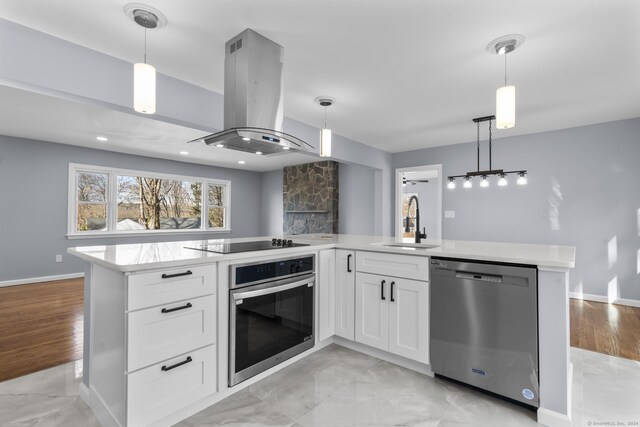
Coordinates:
<point>271,310</point>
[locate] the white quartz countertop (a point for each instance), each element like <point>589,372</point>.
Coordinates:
<point>147,256</point>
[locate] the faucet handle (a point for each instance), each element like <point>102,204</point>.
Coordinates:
<point>424,233</point>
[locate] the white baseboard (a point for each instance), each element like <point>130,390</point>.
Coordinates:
<point>600,298</point>
<point>40,279</point>
<point>551,418</point>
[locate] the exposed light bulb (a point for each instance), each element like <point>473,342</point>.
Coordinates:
<point>506,107</point>
<point>102,138</point>
<point>522,179</point>
<point>467,183</point>
<point>246,139</point>
<point>451,185</point>
<point>184,153</point>
<point>144,88</point>
<point>220,145</point>
<point>325,143</point>
<point>242,162</point>
<point>285,148</point>
<point>259,153</point>
<point>485,182</point>
<point>502,182</point>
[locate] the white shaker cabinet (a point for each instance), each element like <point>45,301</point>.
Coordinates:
<point>345,288</point>
<point>392,313</point>
<point>326,293</point>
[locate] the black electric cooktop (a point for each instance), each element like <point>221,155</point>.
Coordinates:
<point>260,245</point>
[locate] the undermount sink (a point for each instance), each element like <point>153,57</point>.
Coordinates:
<point>410,245</point>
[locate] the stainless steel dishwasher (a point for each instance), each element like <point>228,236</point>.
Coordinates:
<point>484,326</point>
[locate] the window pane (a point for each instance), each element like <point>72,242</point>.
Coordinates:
<point>155,203</point>
<point>91,216</point>
<point>216,195</point>
<point>91,187</point>
<point>216,217</point>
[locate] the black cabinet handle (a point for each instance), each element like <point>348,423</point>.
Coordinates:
<point>184,362</point>
<point>169,276</point>
<point>349,263</point>
<point>392,285</point>
<point>169,310</point>
<point>382,290</point>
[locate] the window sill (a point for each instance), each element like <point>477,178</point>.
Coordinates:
<point>144,233</point>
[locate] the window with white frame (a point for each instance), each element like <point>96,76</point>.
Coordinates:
<point>115,201</point>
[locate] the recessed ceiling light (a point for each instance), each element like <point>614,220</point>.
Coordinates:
<point>219,145</point>
<point>102,138</point>
<point>184,153</point>
<point>285,148</point>
<point>258,152</point>
<point>246,139</point>
<point>242,162</point>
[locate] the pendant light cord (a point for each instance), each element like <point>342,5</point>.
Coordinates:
<point>145,45</point>
<point>478,143</point>
<point>505,68</point>
<point>325,116</point>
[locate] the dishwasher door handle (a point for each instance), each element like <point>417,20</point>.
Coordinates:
<point>492,278</point>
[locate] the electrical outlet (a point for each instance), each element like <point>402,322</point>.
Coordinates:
<point>449,214</point>
<point>58,258</point>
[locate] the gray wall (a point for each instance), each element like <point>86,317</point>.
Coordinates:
<point>357,199</point>
<point>271,207</point>
<point>427,193</point>
<point>583,191</point>
<point>33,203</point>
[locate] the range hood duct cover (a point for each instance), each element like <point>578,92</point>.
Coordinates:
<point>253,98</point>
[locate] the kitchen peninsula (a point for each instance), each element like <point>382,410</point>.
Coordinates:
<point>158,343</point>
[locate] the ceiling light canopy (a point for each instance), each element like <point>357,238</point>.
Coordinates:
<point>502,182</point>
<point>325,133</point>
<point>505,95</point>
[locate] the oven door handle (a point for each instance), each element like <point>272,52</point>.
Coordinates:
<point>273,290</point>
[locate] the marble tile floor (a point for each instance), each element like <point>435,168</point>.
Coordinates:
<point>340,387</point>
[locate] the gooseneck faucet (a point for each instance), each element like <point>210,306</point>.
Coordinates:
<point>418,234</point>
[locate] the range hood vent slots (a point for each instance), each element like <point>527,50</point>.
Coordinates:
<point>253,99</point>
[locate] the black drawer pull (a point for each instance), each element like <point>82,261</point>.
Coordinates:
<point>169,310</point>
<point>382,290</point>
<point>184,362</point>
<point>349,263</point>
<point>169,276</point>
<point>392,285</point>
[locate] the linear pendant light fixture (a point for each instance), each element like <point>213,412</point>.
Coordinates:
<point>325,133</point>
<point>505,95</point>
<point>485,174</point>
<point>144,75</point>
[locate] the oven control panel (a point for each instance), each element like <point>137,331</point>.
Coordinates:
<point>271,270</point>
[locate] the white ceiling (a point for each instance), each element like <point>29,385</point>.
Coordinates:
<point>76,123</point>
<point>406,74</point>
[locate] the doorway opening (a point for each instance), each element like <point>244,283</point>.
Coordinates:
<point>425,182</point>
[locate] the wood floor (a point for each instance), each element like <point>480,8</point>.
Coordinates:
<point>606,328</point>
<point>41,326</point>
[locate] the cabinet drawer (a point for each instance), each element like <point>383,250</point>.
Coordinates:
<point>159,333</point>
<point>385,264</point>
<point>154,393</point>
<point>166,286</point>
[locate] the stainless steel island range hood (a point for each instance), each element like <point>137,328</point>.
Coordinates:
<point>253,100</point>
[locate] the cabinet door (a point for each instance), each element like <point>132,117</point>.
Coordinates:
<point>326,293</point>
<point>345,294</point>
<point>372,310</point>
<point>409,319</point>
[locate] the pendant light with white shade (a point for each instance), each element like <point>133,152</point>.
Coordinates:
<point>325,133</point>
<point>505,95</point>
<point>144,75</point>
